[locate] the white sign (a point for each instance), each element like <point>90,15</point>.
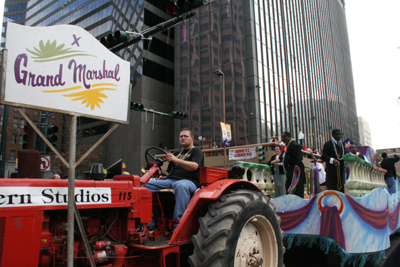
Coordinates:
<point>65,69</point>
<point>48,196</point>
<point>242,153</point>
<point>45,163</point>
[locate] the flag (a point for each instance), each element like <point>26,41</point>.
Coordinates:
<point>347,143</point>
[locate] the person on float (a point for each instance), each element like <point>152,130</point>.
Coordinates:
<point>293,163</point>
<point>332,155</point>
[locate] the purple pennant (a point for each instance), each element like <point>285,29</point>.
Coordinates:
<point>316,181</point>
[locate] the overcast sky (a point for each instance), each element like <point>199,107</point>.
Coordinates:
<point>374,33</point>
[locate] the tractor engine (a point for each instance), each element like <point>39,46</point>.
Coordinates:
<point>104,236</point>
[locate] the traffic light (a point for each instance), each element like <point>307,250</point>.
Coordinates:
<point>179,7</point>
<point>114,39</point>
<point>137,106</point>
<point>261,154</point>
<point>39,143</point>
<point>51,135</point>
<point>173,10</point>
<point>27,138</point>
<point>178,115</point>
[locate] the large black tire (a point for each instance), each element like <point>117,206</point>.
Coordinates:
<point>240,229</point>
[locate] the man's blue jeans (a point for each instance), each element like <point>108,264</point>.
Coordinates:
<point>391,185</point>
<point>182,190</point>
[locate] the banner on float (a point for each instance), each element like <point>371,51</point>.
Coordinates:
<point>242,153</point>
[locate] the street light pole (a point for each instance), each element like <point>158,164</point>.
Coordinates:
<point>221,74</point>
<point>301,138</point>
<point>295,128</point>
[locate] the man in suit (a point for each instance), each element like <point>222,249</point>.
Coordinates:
<point>293,163</point>
<point>332,154</point>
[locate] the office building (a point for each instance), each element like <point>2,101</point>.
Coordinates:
<point>14,11</point>
<point>365,132</point>
<point>286,67</point>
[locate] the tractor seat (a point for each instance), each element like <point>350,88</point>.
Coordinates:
<point>165,190</point>
<point>172,190</point>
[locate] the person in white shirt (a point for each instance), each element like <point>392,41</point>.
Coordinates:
<point>353,151</point>
<point>321,172</point>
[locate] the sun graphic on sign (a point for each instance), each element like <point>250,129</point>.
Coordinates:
<point>91,97</point>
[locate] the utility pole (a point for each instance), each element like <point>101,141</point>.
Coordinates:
<point>3,146</point>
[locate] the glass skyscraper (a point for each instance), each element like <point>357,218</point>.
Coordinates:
<point>286,66</point>
<point>14,11</point>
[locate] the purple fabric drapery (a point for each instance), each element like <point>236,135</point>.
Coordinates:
<point>331,225</point>
<point>377,219</point>
<point>316,181</point>
<point>394,217</point>
<point>291,219</point>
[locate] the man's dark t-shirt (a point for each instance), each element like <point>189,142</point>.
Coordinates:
<point>177,172</point>
<point>388,164</point>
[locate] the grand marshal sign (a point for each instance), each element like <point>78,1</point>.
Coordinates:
<point>65,69</point>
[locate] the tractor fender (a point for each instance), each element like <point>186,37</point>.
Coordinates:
<point>214,190</point>
<point>197,207</point>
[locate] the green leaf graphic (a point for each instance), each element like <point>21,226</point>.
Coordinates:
<point>50,52</point>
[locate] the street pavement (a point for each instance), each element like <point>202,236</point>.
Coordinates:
<point>314,257</point>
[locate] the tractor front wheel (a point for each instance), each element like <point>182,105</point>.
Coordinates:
<point>240,229</point>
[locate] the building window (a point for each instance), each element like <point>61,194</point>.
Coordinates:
<point>20,140</point>
<point>13,139</point>
<point>15,122</point>
<point>22,123</point>
<point>35,112</point>
<point>12,155</point>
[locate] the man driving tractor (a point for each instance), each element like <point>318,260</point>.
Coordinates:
<point>182,174</point>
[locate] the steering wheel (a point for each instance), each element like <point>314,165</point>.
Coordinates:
<point>147,153</point>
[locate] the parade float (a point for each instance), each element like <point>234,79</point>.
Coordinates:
<point>356,225</point>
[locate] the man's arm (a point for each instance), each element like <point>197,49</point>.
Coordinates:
<point>394,160</point>
<point>192,165</point>
<point>270,161</point>
<point>187,165</point>
<point>327,154</point>
<point>298,155</point>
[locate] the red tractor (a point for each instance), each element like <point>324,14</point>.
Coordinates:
<point>229,222</point>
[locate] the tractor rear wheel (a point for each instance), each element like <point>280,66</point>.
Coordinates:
<point>240,229</point>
